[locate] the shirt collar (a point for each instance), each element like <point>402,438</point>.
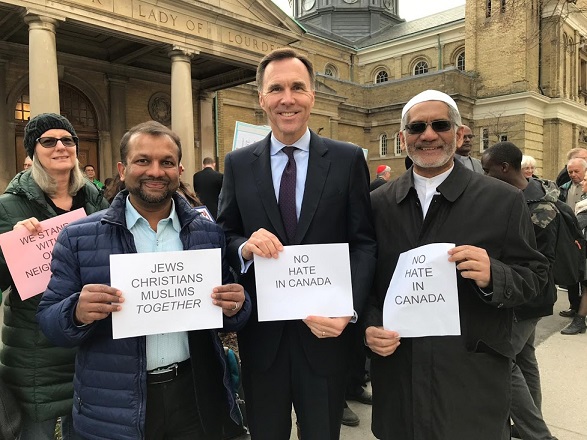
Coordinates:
<point>451,188</point>
<point>432,181</point>
<point>302,143</point>
<point>133,216</point>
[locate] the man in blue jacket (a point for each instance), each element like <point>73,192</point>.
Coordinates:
<point>172,385</point>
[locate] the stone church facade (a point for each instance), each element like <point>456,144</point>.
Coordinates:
<point>517,69</point>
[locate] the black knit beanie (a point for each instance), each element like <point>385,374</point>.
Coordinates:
<point>39,125</point>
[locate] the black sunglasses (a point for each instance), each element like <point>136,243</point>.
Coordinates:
<point>420,127</point>
<point>50,142</point>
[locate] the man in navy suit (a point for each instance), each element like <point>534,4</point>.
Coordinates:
<point>299,362</point>
<point>207,185</point>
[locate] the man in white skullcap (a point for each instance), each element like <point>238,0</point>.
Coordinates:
<point>457,386</point>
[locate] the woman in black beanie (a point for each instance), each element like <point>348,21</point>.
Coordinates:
<point>40,374</point>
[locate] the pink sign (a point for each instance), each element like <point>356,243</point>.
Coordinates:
<point>29,256</point>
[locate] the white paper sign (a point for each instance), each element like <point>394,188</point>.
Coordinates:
<point>422,298</point>
<point>246,134</point>
<point>303,281</point>
<point>166,292</point>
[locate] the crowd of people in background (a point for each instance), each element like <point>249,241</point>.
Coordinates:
<point>291,188</point>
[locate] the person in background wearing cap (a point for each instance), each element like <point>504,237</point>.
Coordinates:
<point>449,387</point>
<point>39,374</point>
<point>383,176</point>
<point>464,152</point>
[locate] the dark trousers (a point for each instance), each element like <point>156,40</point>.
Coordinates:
<point>358,358</point>
<point>574,297</point>
<point>172,411</point>
<point>318,400</point>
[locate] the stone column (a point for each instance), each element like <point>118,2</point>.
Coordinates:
<point>107,167</point>
<point>207,134</point>
<point>182,110</point>
<point>43,77</point>
<point>117,93</point>
<point>7,153</point>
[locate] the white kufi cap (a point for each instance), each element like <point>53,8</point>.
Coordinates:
<point>429,95</point>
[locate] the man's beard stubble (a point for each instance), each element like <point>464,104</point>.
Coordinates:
<point>413,152</point>
<point>138,191</point>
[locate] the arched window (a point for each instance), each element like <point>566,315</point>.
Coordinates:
<point>420,67</point>
<point>76,107</point>
<point>381,77</point>
<point>330,70</point>
<point>383,145</point>
<point>398,145</point>
<point>460,61</point>
<point>73,105</point>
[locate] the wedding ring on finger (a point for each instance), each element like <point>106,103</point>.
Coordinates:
<point>235,306</point>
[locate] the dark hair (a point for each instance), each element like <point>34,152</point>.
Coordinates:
<point>185,191</point>
<point>208,161</point>
<point>505,152</point>
<point>116,186</point>
<point>88,165</point>
<point>283,54</point>
<point>152,128</point>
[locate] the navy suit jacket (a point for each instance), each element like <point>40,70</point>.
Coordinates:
<point>207,185</point>
<point>335,208</point>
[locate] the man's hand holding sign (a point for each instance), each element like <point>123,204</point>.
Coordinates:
<point>297,272</point>
<point>473,263</point>
<point>167,292</point>
<point>422,298</point>
<point>97,301</point>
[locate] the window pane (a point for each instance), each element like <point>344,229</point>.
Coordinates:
<point>22,111</point>
<point>461,61</point>
<point>381,77</point>
<point>420,68</point>
<point>383,145</point>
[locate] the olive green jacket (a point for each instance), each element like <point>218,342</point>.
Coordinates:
<point>39,374</point>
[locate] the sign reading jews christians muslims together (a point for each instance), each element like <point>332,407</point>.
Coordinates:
<point>305,280</point>
<point>422,298</point>
<point>166,292</point>
<point>28,256</point>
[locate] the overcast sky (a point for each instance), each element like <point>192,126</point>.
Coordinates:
<point>408,9</point>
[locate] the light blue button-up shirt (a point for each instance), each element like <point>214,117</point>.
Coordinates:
<point>167,348</point>
<point>279,161</point>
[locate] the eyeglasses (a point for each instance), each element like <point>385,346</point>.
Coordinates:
<point>468,136</point>
<point>420,127</point>
<point>50,142</point>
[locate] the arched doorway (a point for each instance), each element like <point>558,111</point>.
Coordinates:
<point>76,107</point>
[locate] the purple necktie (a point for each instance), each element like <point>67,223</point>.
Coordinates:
<point>287,195</point>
